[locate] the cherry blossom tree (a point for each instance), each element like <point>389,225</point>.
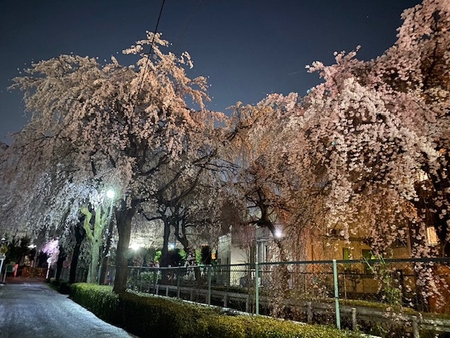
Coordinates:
<point>421,59</point>
<point>277,172</point>
<point>364,153</point>
<point>115,120</point>
<point>186,194</point>
<point>382,127</point>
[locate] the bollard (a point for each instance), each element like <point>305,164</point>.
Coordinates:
<point>354,323</point>
<point>309,313</point>
<point>415,327</point>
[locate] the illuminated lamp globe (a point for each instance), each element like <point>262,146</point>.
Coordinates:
<point>110,193</point>
<point>278,233</point>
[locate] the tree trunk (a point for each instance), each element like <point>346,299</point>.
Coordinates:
<point>165,248</point>
<point>79,237</point>
<point>106,253</point>
<point>59,263</point>
<point>124,216</point>
<point>94,233</point>
<point>93,267</point>
<point>190,252</point>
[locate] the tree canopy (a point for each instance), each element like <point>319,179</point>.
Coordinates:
<point>364,153</point>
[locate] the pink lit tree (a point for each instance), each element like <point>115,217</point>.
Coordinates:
<point>115,125</point>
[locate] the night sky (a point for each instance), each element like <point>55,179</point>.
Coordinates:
<point>246,48</point>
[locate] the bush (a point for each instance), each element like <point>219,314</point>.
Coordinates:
<point>146,315</point>
<point>262,327</point>
<point>98,299</point>
<point>60,286</point>
<point>162,317</point>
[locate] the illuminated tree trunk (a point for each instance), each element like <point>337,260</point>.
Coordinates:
<point>93,267</point>
<point>94,234</point>
<point>106,251</point>
<point>124,215</point>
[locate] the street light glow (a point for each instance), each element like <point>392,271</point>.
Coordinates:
<point>278,233</point>
<point>110,193</point>
<point>135,246</point>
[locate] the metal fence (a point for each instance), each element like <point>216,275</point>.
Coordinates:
<point>297,289</point>
<point>80,275</point>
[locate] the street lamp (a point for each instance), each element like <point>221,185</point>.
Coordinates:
<point>278,234</point>
<point>135,246</point>
<point>110,194</point>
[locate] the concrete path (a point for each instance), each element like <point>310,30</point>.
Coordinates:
<point>29,308</point>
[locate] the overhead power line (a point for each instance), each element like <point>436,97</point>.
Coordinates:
<point>156,29</point>
<point>182,35</point>
<point>150,52</point>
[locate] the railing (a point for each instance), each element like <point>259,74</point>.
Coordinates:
<point>80,276</point>
<point>338,290</point>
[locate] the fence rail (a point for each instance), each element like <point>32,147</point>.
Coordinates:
<point>341,290</point>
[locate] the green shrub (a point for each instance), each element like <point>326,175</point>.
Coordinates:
<point>98,299</point>
<point>162,317</point>
<point>60,286</point>
<point>149,316</point>
<point>262,327</point>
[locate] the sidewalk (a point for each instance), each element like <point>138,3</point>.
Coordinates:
<point>29,308</point>
<point>22,280</point>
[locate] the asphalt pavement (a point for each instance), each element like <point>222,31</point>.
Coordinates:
<point>30,308</point>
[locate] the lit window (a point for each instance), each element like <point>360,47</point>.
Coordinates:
<point>431,236</point>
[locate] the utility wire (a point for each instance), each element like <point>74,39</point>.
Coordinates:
<point>182,35</point>
<point>150,52</point>
<point>156,29</point>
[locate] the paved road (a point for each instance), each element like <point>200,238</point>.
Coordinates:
<point>31,309</point>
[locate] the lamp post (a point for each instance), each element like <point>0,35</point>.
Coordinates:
<point>258,241</point>
<point>257,279</point>
<point>277,234</point>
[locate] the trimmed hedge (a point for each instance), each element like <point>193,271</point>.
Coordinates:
<point>60,286</point>
<point>158,316</point>
<point>149,316</point>
<point>98,299</point>
<point>255,327</point>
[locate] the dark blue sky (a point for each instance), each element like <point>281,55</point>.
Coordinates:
<point>247,48</point>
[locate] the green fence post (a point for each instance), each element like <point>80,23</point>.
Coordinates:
<point>336,295</point>
<point>178,281</point>
<point>256,287</point>
<point>209,284</point>
<point>155,277</point>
